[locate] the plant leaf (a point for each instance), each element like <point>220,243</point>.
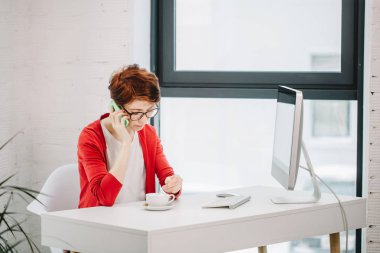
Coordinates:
<point>9,228</point>
<point>25,191</point>
<point>2,214</point>
<point>5,180</point>
<point>13,247</point>
<point>3,248</point>
<point>30,241</point>
<point>6,230</point>
<point>12,225</point>
<point>10,139</point>
<point>21,230</point>
<point>5,245</point>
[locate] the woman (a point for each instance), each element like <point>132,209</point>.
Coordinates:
<point>118,164</point>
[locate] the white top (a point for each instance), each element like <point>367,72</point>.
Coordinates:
<point>134,182</point>
<point>189,228</point>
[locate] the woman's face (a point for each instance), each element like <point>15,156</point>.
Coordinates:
<point>135,108</point>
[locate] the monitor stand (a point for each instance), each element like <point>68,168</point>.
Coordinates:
<point>300,197</point>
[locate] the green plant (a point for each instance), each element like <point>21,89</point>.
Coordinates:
<point>11,232</point>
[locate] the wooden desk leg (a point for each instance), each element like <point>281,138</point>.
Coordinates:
<point>262,249</point>
<point>334,243</point>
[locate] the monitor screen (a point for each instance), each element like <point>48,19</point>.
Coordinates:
<point>287,137</point>
<point>283,135</point>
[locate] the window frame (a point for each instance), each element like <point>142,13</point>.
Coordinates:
<point>255,84</point>
<point>353,92</point>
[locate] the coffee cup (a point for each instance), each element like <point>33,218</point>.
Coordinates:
<point>159,199</point>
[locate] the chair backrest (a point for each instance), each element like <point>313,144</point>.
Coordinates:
<point>62,188</point>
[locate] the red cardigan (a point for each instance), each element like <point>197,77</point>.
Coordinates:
<point>100,188</point>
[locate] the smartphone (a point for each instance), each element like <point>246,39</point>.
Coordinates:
<point>115,107</point>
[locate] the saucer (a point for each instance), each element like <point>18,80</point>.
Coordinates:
<point>158,208</point>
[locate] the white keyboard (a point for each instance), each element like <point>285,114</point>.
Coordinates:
<point>230,202</point>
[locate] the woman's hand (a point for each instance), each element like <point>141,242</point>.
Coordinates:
<point>124,135</point>
<point>117,120</point>
<point>173,184</point>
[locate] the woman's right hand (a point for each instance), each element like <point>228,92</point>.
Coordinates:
<point>117,120</point>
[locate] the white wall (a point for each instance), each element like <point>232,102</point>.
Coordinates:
<point>372,164</point>
<point>55,61</point>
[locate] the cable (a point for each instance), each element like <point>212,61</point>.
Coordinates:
<point>343,212</point>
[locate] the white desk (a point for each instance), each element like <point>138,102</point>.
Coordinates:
<point>188,228</point>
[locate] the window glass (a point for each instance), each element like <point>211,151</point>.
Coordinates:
<point>217,144</point>
<point>331,118</point>
<point>257,35</point>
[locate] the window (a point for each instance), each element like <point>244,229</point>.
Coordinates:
<point>246,48</point>
<point>223,143</point>
<point>226,143</point>
<point>246,35</point>
<point>219,63</point>
<point>331,118</point>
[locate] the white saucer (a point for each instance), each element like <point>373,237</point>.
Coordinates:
<point>158,208</point>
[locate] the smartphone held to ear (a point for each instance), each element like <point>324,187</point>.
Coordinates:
<point>115,107</point>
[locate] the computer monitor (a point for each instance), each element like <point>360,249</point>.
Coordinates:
<point>287,137</point>
<point>288,144</point>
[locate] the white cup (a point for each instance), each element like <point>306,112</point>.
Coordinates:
<point>159,199</point>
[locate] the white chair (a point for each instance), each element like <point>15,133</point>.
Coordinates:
<point>62,188</point>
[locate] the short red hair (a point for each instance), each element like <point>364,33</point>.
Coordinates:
<point>131,83</point>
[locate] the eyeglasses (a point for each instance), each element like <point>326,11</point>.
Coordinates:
<point>138,115</point>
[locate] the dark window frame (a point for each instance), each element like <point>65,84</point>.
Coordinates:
<point>315,85</point>
<point>355,92</point>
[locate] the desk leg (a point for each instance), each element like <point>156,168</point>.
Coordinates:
<point>334,243</point>
<point>262,249</point>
